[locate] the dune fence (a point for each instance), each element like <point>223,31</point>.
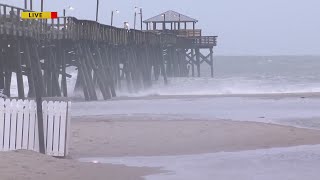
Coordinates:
<point>19,125</point>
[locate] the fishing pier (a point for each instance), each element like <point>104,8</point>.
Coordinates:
<point>106,58</point>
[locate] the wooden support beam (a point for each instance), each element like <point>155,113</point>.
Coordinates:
<point>205,58</point>
<point>191,56</point>
<point>208,59</point>
<point>86,75</point>
<point>198,61</point>
<point>192,61</point>
<point>87,71</point>
<point>56,91</point>
<point>6,73</point>
<point>63,67</point>
<point>115,58</point>
<point>127,74</point>
<point>96,72</point>
<point>31,82</point>
<point>39,93</point>
<point>147,66</point>
<point>35,62</point>
<point>20,84</point>
<point>175,63</point>
<point>162,66</point>
<point>47,72</point>
<point>7,87</point>
<point>103,77</point>
<point>1,74</point>
<point>106,69</point>
<point>112,62</point>
<point>136,75</point>
<point>2,63</point>
<point>211,62</point>
<point>157,64</point>
<point>82,83</point>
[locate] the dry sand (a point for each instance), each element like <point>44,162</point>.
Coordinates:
<point>120,136</point>
<point>26,165</point>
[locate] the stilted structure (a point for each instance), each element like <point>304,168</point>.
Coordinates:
<point>105,57</point>
<point>190,45</point>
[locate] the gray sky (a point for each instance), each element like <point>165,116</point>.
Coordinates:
<point>244,27</point>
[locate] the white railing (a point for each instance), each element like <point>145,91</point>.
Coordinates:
<point>19,128</point>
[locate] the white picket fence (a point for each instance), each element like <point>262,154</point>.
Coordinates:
<point>19,127</point>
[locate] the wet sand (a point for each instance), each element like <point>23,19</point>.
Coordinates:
<point>138,136</point>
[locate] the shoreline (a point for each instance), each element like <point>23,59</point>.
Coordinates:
<point>258,95</point>
<point>315,95</point>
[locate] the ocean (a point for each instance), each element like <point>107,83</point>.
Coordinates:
<point>233,75</point>
<point>246,75</point>
<point>239,76</point>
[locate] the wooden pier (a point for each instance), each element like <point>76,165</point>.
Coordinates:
<point>190,46</point>
<point>106,58</point>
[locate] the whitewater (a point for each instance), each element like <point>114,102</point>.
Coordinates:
<point>247,75</point>
<point>233,75</point>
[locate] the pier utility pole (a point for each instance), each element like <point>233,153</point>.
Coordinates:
<point>135,18</point>
<point>112,15</point>
<point>25,4</point>
<point>97,10</point>
<point>141,21</point>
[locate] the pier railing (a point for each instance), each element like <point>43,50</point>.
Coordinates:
<point>72,29</point>
<point>205,40</point>
<point>188,33</point>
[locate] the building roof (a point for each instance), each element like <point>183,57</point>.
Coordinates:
<point>170,16</point>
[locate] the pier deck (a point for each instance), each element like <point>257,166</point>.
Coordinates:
<point>106,57</point>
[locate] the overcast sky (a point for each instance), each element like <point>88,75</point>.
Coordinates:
<point>244,27</point>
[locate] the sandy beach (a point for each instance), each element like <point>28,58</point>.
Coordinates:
<point>130,128</point>
<point>26,165</point>
<point>110,137</point>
